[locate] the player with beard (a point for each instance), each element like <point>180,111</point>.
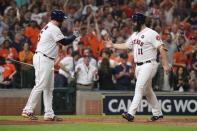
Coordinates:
<point>43,61</point>
<point>145,43</point>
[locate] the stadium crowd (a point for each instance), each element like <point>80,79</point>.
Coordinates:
<point>88,63</point>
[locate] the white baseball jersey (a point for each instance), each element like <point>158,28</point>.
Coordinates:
<point>48,37</point>
<point>86,74</point>
<point>144,44</point>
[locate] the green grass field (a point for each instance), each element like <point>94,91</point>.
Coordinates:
<point>96,127</point>
<point>92,126</point>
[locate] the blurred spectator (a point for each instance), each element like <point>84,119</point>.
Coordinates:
<point>181,80</point>
<point>27,72</point>
<point>86,74</point>
<point>194,61</point>
<point>12,13</point>
<point>26,55</point>
<point>7,50</point>
<point>179,58</point>
<point>60,56</point>
<point>2,82</point>
<point>80,48</point>
<point>123,74</point>
<point>3,25</point>
<point>105,73</point>
<point>66,69</point>
<point>174,31</point>
<point>106,53</point>
<point>8,73</point>
<point>168,10</point>
<point>3,5</point>
<point>162,79</point>
<point>17,42</point>
<point>193,81</point>
<point>87,52</point>
<point>74,13</point>
<point>26,19</point>
<point>92,39</point>
<point>32,32</point>
<point>89,7</point>
<point>4,35</point>
<point>189,48</point>
<point>109,22</point>
<point>181,10</point>
<point>171,46</point>
<point>84,36</point>
<point>158,80</point>
<point>115,33</point>
<point>24,38</point>
<point>36,16</point>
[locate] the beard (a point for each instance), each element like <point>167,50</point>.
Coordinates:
<point>137,28</point>
<point>60,24</point>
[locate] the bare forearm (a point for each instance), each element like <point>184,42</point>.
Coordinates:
<point>163,56</point>
<point>121,46</point>
<point>164,60</point>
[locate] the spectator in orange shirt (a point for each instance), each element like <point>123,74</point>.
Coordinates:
<point>179,59</point>
<point>32,32</point>
<point>7,50</point>
<point>84,36</point>
<point>8,74</point>
<point>27,72</point>
<point>189,49</point>
<point>26,55</point>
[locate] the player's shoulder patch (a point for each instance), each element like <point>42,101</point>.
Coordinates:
<point>158,37</point>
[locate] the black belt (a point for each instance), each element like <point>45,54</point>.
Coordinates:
<point>141,63</point>
<point>84,85</point>
<point>45,55</point>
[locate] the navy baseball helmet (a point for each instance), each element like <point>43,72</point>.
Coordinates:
<point>58,15</point>
<point>139,18</point>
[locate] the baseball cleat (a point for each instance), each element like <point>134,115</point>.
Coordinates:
<point>28,115</point>
<point>128,116</point>
<point>155,118</point>
<point>55,118</point>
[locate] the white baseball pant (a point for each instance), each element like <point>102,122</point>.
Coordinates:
<point>44,82</point>
<point>144,75</point>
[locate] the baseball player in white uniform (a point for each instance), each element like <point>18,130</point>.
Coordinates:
<point>43,61</point>
<point>145,43</point>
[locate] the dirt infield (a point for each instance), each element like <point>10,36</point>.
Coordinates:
<point>166,121</point>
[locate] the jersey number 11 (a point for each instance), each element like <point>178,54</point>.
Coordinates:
<point>140,52</point>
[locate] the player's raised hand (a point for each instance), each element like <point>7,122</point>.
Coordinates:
<point>76,33</point>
